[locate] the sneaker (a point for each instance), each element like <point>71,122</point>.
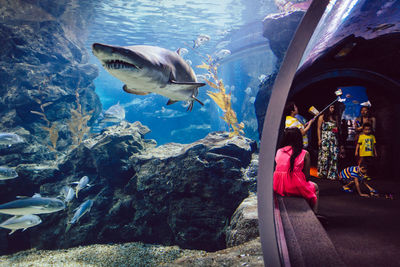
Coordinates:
<point>346,189</point>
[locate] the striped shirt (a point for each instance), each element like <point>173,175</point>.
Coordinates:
<point>350,173</point>
<point>293,122</point>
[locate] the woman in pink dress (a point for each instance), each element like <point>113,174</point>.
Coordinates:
<point>292,169</point>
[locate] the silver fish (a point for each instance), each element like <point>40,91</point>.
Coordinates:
<point>68,193</point>
<point>7,173</point>
<point>21,222</point>
<point>200,40</point>
<point>32,205</point>
<point>82,183</point>
<point>79,212</point>
<point>150,69</point>
<point>114,114</point>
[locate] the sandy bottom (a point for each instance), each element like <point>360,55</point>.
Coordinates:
<point>128,254</point>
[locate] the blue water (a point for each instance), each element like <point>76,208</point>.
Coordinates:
<point>232,25</point>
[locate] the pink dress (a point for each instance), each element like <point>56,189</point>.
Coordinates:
<point>295,183</point>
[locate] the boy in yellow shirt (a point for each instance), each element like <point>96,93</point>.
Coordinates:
<point>366,144</point>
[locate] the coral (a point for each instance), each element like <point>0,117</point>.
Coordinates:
<point>222,99</point>
<point>51,126</point>
<point>78,124</point>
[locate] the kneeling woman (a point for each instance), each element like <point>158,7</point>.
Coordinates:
<point>292,169</point>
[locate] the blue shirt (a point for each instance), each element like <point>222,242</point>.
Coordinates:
<point>350,173</point>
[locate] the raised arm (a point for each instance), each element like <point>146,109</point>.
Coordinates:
<point>319,125</point>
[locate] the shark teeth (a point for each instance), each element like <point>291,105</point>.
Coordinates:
<point>119,64</point>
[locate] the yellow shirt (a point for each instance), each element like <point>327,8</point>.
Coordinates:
<point>367,143</point>
<point>293,122</point>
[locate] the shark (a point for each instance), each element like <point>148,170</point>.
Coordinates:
<point>148,69</point>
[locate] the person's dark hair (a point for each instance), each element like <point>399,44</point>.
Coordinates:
<point>326,113</point>
<point>367,124</point>
<point>368,109</point>
<point>293,138</point>
<point>289,107</point>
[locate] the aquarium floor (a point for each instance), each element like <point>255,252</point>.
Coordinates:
<point>365,231</point>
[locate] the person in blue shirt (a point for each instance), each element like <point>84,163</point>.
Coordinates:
<point>355,175</point>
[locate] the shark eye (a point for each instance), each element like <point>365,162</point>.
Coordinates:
<point>119,64</point>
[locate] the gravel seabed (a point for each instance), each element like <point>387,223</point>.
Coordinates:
<point>128,254</point>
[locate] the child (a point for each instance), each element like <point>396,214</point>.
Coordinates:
<point>366,143</point>
<point>292,169</point>
<point>355,175</point>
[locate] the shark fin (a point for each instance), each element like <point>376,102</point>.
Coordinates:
<point>12,231</point>
<point>194,84</point>
<point>133,91</point>
<point>170,102</point>
<point>201,103</point>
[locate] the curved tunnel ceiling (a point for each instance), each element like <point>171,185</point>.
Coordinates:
<point>356,42</point>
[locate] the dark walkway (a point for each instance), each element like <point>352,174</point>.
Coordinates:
<point>365,231</point>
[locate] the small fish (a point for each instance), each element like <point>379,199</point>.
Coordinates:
<point>68,193</point>
<point>114,114</point>
<point>21,222</point>
<point>248,90</point>
<point>201,39</point>
<point>355,102</point>
<point>7,173</point>
<point>189,62</point>
<point>182,51</point>
<point>10,139</point>
<point>381,27</point>
<point>252,100</point>
<point>83,182</point>
<point>32,205</point>
<point>79,212</point>
<point>222,54</point>
<point>262,77</point>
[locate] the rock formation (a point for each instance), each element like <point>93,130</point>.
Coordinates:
<point>43,63</point>
<point>278,29</point>
<point>172,194</point>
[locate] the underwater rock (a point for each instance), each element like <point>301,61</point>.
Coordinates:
<point>191,190</point>
<point>279,29</point>
<point>244,223</point>
<point>262,100</point>
<point>44,61</point>
<point>174,194</point>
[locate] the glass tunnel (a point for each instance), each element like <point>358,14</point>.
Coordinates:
<point>147,133</point>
